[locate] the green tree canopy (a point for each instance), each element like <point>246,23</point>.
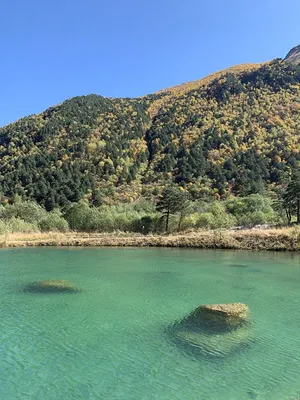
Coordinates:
<point>172,200</point>
<point>291,196</point>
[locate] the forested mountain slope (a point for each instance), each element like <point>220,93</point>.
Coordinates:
<point>237,131</point>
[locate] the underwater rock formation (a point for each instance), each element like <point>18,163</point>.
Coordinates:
<point>51,286</point>
<point>232,314</point>
<point>216,329</point>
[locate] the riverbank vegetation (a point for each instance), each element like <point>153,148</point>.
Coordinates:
<point>279,239</point>
<point>143,217</point>
<point>170,212</point>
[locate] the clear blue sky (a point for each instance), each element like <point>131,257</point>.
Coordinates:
<point>53,50</point>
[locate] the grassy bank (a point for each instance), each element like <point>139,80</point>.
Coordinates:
<point>284,239</point>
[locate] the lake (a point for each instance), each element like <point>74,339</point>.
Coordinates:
<point>116,338</point>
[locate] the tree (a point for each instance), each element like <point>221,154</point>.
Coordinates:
<point>77,215</point>
<point>172,200</point>
<point>283,206</point>
<point>291,197</point>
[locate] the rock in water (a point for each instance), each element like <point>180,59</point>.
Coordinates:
<point>218,317</point>
<point>231,310</point>
<point>51,286</point>
<point>228,312</point>
<point>216,329</point>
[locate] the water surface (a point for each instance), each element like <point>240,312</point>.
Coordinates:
<point>112,340</point>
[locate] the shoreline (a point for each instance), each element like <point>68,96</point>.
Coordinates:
<point>281,239</point>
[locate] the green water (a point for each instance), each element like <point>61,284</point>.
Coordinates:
<point>114,339</point>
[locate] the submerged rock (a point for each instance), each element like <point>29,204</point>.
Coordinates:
<point>218,317</point>
<point>216,345</point>
<point>51,286</point>
<point>228,313</point>
<point>230,310</point>
<point>216,329</point>
<point>238,265</point>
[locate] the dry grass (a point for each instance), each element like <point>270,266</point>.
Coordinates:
<point>284,239</point>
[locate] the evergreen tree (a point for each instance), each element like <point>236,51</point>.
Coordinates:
<point>171,201</point>
<point>291,197</point>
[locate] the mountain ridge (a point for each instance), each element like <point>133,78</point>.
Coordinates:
<point>293,55</point>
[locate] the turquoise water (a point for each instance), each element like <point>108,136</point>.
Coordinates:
<point>114,339</point>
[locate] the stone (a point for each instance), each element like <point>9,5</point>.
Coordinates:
<point>215,329</point>
<point>51,286</point>
<point>219,317</point>
<point>224,311</point>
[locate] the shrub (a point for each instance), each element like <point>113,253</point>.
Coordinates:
<point>216,218</point>
<point>145,225</point>
<point>189,221</point>
<point>53,221</point>
<point>28,211</point>
<point>77,216</point>
<point>4,228</point>
<point>205,220</point>
<point>19,225</point>
<point>252,210</point>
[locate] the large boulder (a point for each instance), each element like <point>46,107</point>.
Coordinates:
<point>215,329</point>
<point>230,310</point>
<point>51,286</point>
<point>230,315</point>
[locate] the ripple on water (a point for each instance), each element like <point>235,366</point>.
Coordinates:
<point>117,339</point>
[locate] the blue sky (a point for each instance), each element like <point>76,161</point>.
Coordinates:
<point>54,50</point>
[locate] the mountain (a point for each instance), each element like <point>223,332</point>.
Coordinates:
<point>234,132</point>
<point>293,55</point>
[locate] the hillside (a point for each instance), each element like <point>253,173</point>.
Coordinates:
<point>237,131</point>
